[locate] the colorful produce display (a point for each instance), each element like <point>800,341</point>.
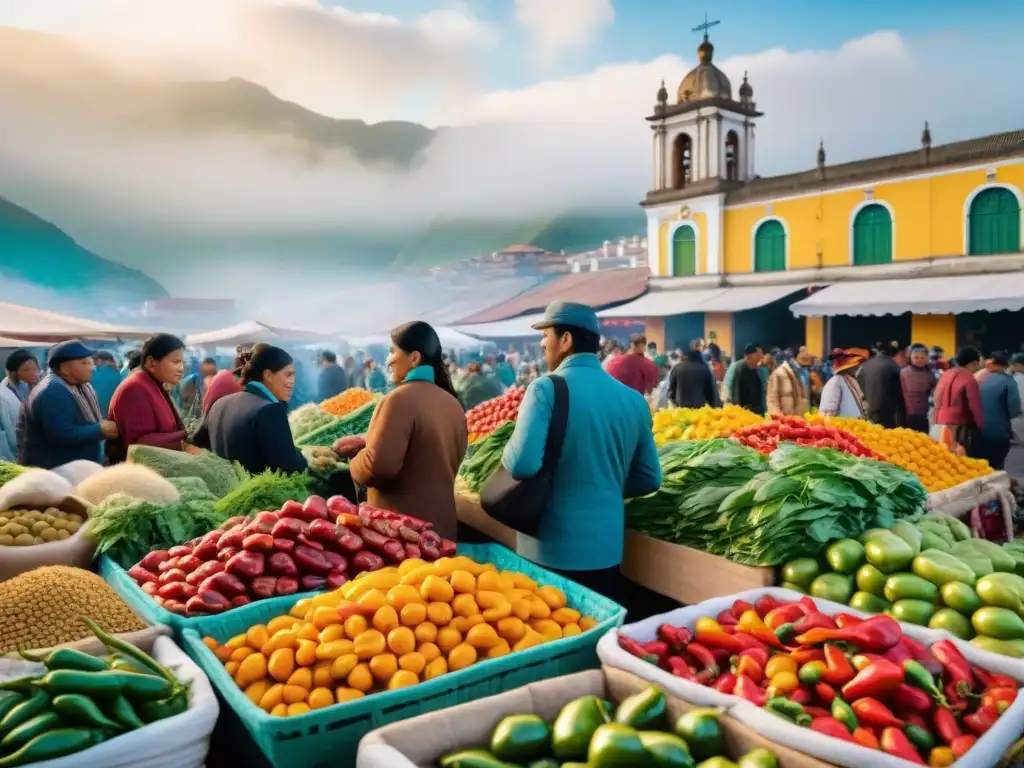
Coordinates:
<point>391,629</point>
<point>219,475</point>
<point>355,422</point>
<point>488,416</point>
<point>307,418</point>
<point>724,498</point>
<point>766,436</point>
<point>861,681</point>
<point>937,466</point>
<point>27,527</point>
<point>346,402</point>
<point>267,490</point>
<point>42,608</point>
<point>82,700</point>
<point>968,587</point>
<point>587,732</point>
<point>302,547</point>
<point>484,457</point>
<point>673,424</point>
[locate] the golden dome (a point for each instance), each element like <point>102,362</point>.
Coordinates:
<point>705,81</point>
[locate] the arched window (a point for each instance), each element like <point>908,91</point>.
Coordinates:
<point>770,247</point>
<point>872,236</point>
<point>994,223</point>
<point>684,251</point>
<point>732,154</point>
<point>682,155</point>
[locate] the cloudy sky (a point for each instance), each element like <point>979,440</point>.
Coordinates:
<point>556,91</point>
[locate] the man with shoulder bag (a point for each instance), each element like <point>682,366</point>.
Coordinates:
<point>582,444</point>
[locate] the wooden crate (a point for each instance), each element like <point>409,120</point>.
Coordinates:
<point>687,575</point>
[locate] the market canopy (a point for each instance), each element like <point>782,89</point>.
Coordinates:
<point>666,303</point>
<point>513,328</point>
<point>253,332</point>
<point>40,326</point>
<point>450,339</point>
<point>920,295</point>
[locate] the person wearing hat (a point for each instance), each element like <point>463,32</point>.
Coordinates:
<point>879,379</point>
<point>62,420</point>
<point>841,395</point>
<point>251,426</point>
<point>608,454</point>
<point>22,374</point>
<point>634,368</point>
<point>917,381</point>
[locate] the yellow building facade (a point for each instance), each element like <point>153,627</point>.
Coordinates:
<point>709,214</point>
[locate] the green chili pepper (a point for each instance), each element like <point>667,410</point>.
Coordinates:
<point>20,684</point>
<point>8,701</point>
<point>151,711</point>
<point>68,658</point>
<point>788,708</point>
<point>58,743</point>
<point>25,732</point>
<point>127,649</point>
<point>844,713</point>
<point>109,684</point>
<point>37,703</point>
<point>915,674</point>
<point>919,737</point>
<point>124,664</point>
<point>123,711</point>
<point>82,710</point>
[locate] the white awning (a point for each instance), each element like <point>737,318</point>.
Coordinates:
<point>920,295</point>
<point>449,337</point>
<point>662,303</point>
<point>252,332</point>
<point>43,326</point>
<point>513,328</point>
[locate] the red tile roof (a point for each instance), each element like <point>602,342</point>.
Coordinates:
<point>598,289</point>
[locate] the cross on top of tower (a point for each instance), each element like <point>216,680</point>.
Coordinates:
<point>706,26</point>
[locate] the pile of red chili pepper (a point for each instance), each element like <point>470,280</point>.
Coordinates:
<point>765,438</point>
<point>859,680</point>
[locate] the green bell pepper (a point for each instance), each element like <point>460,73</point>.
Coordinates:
<point>888,552</point>
<point>869,603</point>
<point>907,586</point>
<point>845,555</point>
<point>473,758</point>
<point>521,738</point>
<point>615,746</point>
<point>1000,623</point>
<point>701,729</point>
<point>953,622</point>
<point>1003,590</point>
<point>645,710</point>
<point>801,572</point>
<point>941,568</point>
<point>913,611</point>
<point>960,597</point>
<point>574,727</point>
<point>837,587</point>
<point>665,750</point>
<point>870,579</point>
<point>759,758</point>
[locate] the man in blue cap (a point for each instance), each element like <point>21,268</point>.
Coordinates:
<point>62,420</point>
<point>608,453</point>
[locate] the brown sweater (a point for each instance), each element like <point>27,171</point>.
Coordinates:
<point>417,440</point>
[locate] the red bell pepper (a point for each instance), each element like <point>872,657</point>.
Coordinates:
<point>875,635</point>
<point>751,624</point>
<point>963,743</point>
<point>725,683</point>
<point>981,720</point>
<point>632,647</point>
<point>844,620</point>
<point>894,743</point>
<point>726,619</point>
<point>838,670</point>
<point>675,637</point>
<point>705,659</point>
<point>747,689</point>
<point>784,614</point>
<point>866,738</point>
<point>946,726</point>
<point>747,666</point>
<point>824,692</point>
<point>831,727</point>
<point>999,699</point>
<point>874,713</point>
<point>957,668</point>
<point>876,680</point>
<point>765,604</point>
<point>911,699</point>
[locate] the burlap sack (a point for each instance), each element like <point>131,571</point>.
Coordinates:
<point>77,550</point>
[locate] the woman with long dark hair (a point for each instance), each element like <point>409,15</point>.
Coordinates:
<point>417,436</point>
<point>251,426</point>
<point>142,405</point>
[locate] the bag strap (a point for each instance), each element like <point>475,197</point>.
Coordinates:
<point>556,429</point>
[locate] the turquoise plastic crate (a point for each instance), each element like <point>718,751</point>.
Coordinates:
<point>147,609</point>
<point>330,737</point>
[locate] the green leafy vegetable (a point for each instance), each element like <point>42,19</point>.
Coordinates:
<point>8,471</point>
<point>266,491</point>
<point>220,475</point>
<point>478,467</point>
<point>355,423</point>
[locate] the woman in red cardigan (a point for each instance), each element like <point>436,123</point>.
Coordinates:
<point>142,406</point>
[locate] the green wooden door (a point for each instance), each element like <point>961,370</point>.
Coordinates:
<point>994,222</point>
<point>770,247</point>
<point>872,236</point>
<point>684,252</point>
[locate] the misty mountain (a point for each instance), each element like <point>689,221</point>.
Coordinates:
<point>50,77</point>
<point>36,252</point>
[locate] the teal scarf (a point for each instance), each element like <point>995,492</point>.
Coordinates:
<point>421,373</point>
<point>258,388</point>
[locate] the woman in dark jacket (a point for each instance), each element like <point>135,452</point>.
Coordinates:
<point>251,426</point>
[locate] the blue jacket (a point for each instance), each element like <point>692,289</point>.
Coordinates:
<point>105,380</point>
<point>1000,402</point>
<point>54,429</point>
<point>608,455</point>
